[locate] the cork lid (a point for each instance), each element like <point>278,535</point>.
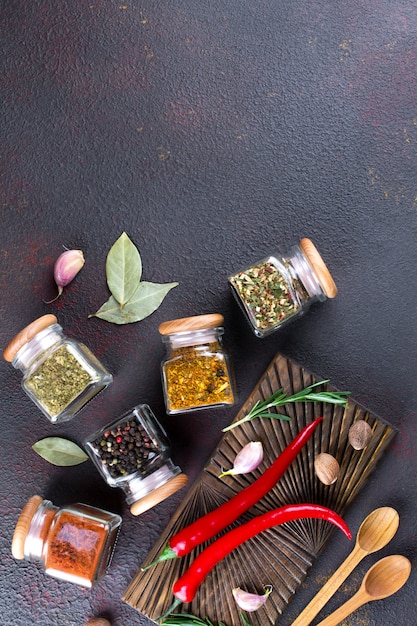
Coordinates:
<point>314,258</point>
<point>23,525</point>
<point>26,334</point>
<point>197,322</point>
<point>158,495</point>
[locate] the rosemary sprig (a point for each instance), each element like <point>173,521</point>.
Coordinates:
<point>185,619</point>
<point>279,398</point>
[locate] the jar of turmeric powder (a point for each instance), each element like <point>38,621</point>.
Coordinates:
<point>60,374</point>
<point>280,288</point>
<point>196,371</point>
<point>133,453</point>
<point>74,543</point>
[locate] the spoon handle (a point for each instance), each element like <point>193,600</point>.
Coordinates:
<point>346,609</point>
<point>330,587</point>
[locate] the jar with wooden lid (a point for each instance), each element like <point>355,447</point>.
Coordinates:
<point>60,374</point>
<point>133,453</point>
<point>74,543</point>
<point>278,289</point>
<point>196,372</point>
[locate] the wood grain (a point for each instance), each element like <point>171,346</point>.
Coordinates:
<point>283,555</point>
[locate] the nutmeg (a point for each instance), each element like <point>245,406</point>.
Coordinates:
<point>327,468</point>
<point>360,434</point>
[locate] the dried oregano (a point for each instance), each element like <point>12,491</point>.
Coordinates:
<point>131,298</point>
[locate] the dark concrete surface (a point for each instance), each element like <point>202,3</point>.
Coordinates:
<point>213,134</point>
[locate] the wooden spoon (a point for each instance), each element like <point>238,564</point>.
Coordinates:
<point>384,578</point>
<point>375,532</point>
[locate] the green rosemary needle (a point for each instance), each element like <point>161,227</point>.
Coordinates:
<point>279,398</point>
<point>185,619</point>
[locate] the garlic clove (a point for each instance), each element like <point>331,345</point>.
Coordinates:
<point>250,601</point>
<point>247,460</point>
<point>66,267</point>
<point>327,468</point>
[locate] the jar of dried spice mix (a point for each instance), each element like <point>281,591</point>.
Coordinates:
<point>133,453</point>
<point>74,543</point>
<point>196,371</point>
<point>276,289</point>
<point>59,374</point>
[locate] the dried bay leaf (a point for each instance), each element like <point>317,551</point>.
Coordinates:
<point>146,299</point>
<point>123,269</point>
<point>59,451</point>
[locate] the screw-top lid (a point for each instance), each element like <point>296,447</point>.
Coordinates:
<point>26,334</point>
<point>159,494</point>
<point>320,269</point>
<point>186,324</point>
<point>23,526</point>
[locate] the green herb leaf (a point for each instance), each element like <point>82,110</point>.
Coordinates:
<point>145,300</point>
<point>123,269</point>
<point>279,398</point>
<point>60,451</point>
<point>186,619</point>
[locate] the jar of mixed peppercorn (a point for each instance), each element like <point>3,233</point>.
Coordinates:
<point>196,371</point>
<point>60,374</point>
<point>133,453</point>
<point>276,289</point>
<point>74,543</point>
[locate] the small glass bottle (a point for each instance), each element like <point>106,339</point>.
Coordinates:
<point>74,543</point>
<point>196,371</point>
<point>275,290</point>
<point>133,453</point>
<point>60,375</point>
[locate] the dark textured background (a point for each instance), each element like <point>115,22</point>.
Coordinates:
<point>213,134</point>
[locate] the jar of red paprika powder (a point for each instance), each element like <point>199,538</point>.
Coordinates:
<point>74,543</point>
<point>278,289</point>
<point>133,453</point>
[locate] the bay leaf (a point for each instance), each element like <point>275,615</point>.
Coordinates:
<point>59,451</point>
<point>146,299</point>
<point>123,269</point>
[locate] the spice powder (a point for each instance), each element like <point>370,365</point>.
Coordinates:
<point>75,546</point>
<point>197,377</point>
<point>58,380</point>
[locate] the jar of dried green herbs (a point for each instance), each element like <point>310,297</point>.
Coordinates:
<point>196,372</point>
<point>134,454</point>
<point>277,289</point>
<point>59,374</point>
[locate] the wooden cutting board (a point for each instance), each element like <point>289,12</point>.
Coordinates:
<point>281,556</point>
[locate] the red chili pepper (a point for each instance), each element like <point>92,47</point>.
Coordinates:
<point>187,585</point>
<point>212,523</point>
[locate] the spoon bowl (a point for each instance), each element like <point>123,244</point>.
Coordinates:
<point>385,578</point>
<point>377,529</point>
<point>375,532</point>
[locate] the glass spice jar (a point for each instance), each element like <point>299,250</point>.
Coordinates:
<point>60,374</point>
<point>196,371</point>
<point>276,289</point>
<point>133,453</point>
<point>74,543</point>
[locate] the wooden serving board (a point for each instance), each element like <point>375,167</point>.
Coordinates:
<point>281,556</point>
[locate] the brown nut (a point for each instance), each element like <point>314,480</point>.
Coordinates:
<point>327,468</point>
<point>97,621</point>
<point>360,434</point>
